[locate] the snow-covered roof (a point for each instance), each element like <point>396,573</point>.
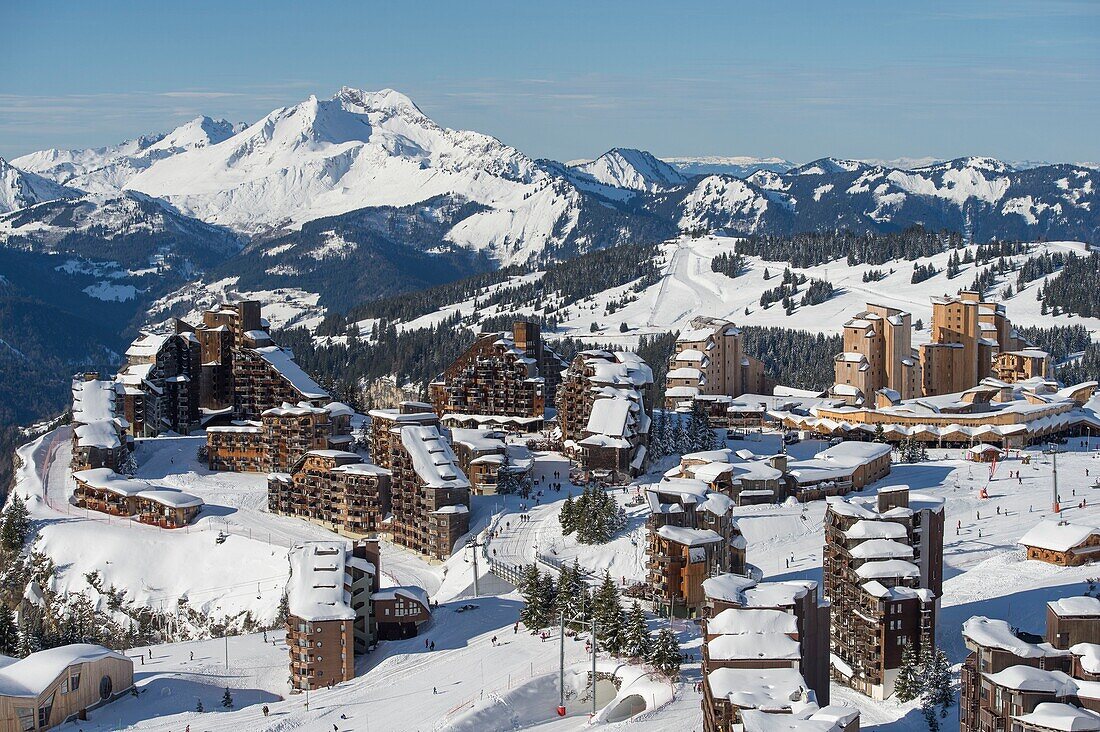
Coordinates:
<point>361,469</point>
<point>778,594</point>
<point>689,537</point>
<point>146,345</point>
<point>1029,678</point>
<point>432,457</point>
<point>993,633</point>
<point>93,401</point>
<point>876,530</point>
<point>727,587</point>
<point>478,440</point>
<point>1089,654</point>
<point>882,549</point>
<point>1057,536</point>
<point>31,676</point>
<point>888,568</point>
<point>1076,606</point>
<point>685,372</point>
<point>408,591</point>
<point>283,362</point>
<point>315,590</point>
<point>171,497</point>
<point>108,480</point>
<point>766,689</point>
<point>1061,717</point>
<point>757,620</point>
<point>693,355</point>
<point>832,718</point>
<point>754,646</point>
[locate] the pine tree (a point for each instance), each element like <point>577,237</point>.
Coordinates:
<point>609,614</point>
<point>928,711</point>
<point>666,656</point>
<point>937,681</point>
<point>13,533</point>
<point>9,634</point>
<point>284,609</point>
<point>907,686</point>
<point>636,639</point>
<point>198,705</point>
<point>29,641</point>
<point>566,517</point>
<point>227,699</point>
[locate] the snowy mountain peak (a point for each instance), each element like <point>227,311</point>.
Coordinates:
<point>19,188</point>
<point>829,166</point>
<point>991,165</point>
<point>634,169</point>
<point>384,100</point>
<point>199,132</point>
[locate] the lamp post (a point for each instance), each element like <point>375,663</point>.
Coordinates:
<point>1053,451</point>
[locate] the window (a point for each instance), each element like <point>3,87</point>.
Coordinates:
<point>26,718</point>
<point>318,644</point>
<point>44,712</point>
<point>74,680</point>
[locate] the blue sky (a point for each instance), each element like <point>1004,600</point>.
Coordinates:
<point>1015,80</point>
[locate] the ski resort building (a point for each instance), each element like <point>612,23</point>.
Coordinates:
<point>878,355</point>
<point>1015,366</point>
<point>966,334</point>
<point>710,359</point>
<point>1014,680</point>
<point>993,412</point>
<point>399,611</point>
<point>692,535</point>
<point>160,384</point>
<point>429,493</point>
<point>602,412</point>
<point>883,573</point>
<point>1062,542</point>
<point>489,462</point>
<point>330,616</point>
<point>386,424</point>
<point>47,688</point>
<point>281,436</point>
<point>242,371</point>
<point>749,479</point>
<point>765,626</point>
<point>105,491</point>
<point>99,433</point>
<point>334,489</point>
<point>502,374</point>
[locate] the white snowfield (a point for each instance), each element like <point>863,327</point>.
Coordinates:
<point>512,684</point>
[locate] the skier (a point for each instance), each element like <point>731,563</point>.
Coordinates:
<point>432,646</point>
<point>266,710</point>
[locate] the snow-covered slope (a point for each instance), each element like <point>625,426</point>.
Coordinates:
<point>19,189</point>
<point>688,287</point>
<point>633,169</point>
<point>108,169</point>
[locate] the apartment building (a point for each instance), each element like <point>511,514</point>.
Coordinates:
<point>1028,363</point>
<point>160,384</point>
<point>502,374</point>
<point>489,461</point>
<point>883,573</point>
<point>710,359</point>
<point>430,493</point>
<point>966,334</point>
<point>878,354</point>
<point>1015,680</point>
<point>334,489</point>
<point>281,436</point>
<point>331,618</point>
<point>750,479</point>
<point>386,424</point>
<point>603,413</point>
<point>776,630</point>
<point>99,431</point>
<point>692,535</point>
